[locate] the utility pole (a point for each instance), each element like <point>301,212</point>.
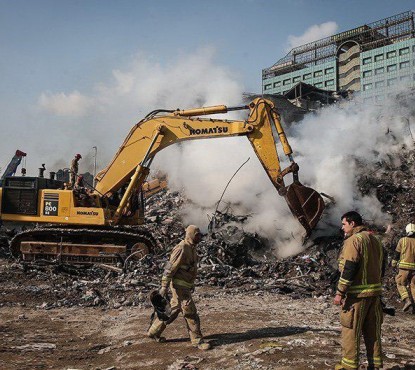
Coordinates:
<point>95,163</point>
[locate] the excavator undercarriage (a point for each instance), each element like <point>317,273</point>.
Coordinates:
<point>83,246</point>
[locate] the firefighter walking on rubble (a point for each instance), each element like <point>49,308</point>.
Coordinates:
<point>404,259</point>
<point>74,169</point>
<point>359,290</point>
<point>179,274</point>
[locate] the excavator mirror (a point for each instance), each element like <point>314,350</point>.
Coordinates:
<point>306,204</point>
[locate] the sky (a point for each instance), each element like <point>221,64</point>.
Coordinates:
<point>79,74</point>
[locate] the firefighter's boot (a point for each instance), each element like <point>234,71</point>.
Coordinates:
<point>204,346</point>
<point>407,304</point>
<point>157,338</point>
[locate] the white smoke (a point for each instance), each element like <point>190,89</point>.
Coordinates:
<point>313,33</point>
<point>61,124</point>
<point>333,147</point>
<point>61,104</point>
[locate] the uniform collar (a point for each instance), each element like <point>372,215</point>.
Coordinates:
<point>356,230</point>
<point>190,241</point>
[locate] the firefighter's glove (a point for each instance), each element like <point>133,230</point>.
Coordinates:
<point>394,263</point>
<point>163,291</point>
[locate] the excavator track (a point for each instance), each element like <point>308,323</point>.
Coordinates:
<point>82,246</point>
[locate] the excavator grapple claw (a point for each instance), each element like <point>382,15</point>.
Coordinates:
<point>306,204</point>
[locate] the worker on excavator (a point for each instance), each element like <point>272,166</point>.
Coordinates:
<point>74,169</point>
<point>404,259</point>
<point>179,274</point>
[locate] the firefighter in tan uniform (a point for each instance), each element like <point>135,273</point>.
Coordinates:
<point>74,169</point>
<point>179,274</point>
<point>359,290</point>
<point>404,259</point>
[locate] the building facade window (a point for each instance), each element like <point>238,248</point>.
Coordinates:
<point>307,76</point>
<point>379,84</point>
<point>404,51</point>
<point>403,65</point>
<point>379,71</point>
<point>329,83</point>
<point>391,54</point>
<point>286,82</point>
<point>267,87</point>
<point>318,73</point>
<point>367,87</point>
<point>391,68</point>
<point>328,71</point>
<point>405,78</point>
<point>367,74</point>
<point>319,84</point>
<point>367,60</point>
<point>392,81</point>
<point>277,84</point>
<point>296,79</point>
<point>379,57</point>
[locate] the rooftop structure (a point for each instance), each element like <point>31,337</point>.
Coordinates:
<point>369,58</point>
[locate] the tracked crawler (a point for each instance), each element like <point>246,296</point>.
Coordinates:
<point>87,223</point>
<point>82,246</point>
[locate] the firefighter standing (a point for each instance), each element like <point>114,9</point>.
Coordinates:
<point>74,169</point>
<point>179,274</point>
<point>404,259</point>
<point>359,290</point>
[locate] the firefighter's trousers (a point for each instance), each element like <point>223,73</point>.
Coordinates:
<point>403,279</point>
<point>361,315</point>
<point>181,301</point>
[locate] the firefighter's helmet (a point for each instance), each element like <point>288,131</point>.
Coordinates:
<point>410,229</point>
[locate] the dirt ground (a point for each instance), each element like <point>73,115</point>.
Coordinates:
<point>256,330</point>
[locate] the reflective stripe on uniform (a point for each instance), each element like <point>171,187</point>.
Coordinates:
<point>183,283</point>
<point>366,288</point>
<point>364,257</point>
<point>407,265</point>
<point>377,361</point>
<point>351,363</point>
<point>344,281</point>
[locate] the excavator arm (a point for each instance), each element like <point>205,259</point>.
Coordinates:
<point>160,129</point>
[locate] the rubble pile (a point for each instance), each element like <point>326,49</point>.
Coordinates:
<point>230,258</point>
<point>393,183</point>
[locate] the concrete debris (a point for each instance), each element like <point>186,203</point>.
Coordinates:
<point>230,257</point>
<point>188,363</point>
<point>36,347</point>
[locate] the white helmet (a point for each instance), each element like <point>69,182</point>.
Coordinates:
<point>410,229</point>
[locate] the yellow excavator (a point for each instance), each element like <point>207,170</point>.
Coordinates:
<point>103,225</point>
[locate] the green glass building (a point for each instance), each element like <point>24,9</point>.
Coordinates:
<point>373,59</point>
